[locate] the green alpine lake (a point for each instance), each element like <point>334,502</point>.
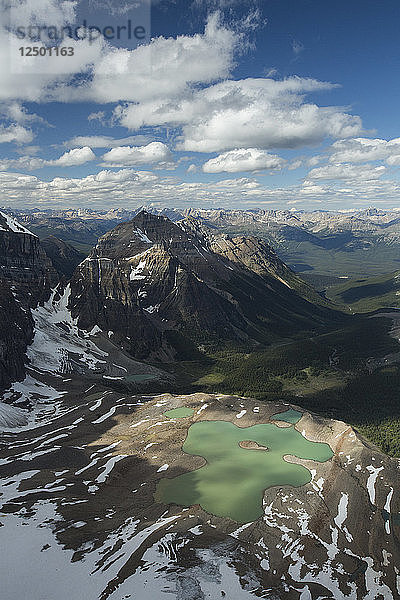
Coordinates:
<point>289,416</point>
<point>179,413</point>
<point>232,482</point>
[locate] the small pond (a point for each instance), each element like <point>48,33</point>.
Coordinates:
<point>289,416</point>
<point>179,413</point>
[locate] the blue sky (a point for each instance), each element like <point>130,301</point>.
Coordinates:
<point>277,104</point>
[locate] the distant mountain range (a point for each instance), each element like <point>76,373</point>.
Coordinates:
<point>320,244</point>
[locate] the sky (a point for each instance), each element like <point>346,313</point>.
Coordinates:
<point>271,104</point>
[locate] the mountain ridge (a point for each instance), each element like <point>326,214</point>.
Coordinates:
<point>182,275</point>
<point>326,242</point>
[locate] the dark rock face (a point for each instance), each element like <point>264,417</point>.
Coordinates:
<point>24,263</point>
<point>151,275</point>
<point>101,296</point>
<point>26,277</point>
<point>64,257</point>
<point>16,332</point>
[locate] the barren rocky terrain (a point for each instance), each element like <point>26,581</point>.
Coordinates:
<point>78,491</point>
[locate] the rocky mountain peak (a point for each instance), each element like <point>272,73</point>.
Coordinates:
<point>149,276</point>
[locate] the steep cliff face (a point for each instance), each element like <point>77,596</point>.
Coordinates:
<point>151,275</point>
<point>24,263</point>
<point>101,296</point>
<point>16,332</point>
<point>26,277</point>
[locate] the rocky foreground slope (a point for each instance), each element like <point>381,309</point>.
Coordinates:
<point>79,504</point>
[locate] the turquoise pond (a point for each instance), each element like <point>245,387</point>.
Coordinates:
<point>289,416</point>
<point>179,413</point>
<point>232,482</point>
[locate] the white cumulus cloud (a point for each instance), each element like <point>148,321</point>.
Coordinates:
<point>359,150</point>
<point>248,113</point>
<point>166,67</point>
<point>184,82</point>
<point>250,159</point>
<point>104,141</point>
<point>347,171</point>
<point>128,188</point>
<point>15,133</point>
<point>126,156</point>
<point>75,157</point>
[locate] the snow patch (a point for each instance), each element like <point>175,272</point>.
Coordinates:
<point>142,236</point>
<point>109,467</point>
<point>57,336</point>
<point>106,416</point>
<point>41,396</point>
<point>136,272</point>
<point>371,481</point>
<point>11,416</point>
<point>387,508</point>
<point>342,516</point>
<point>14,225</point>
<point>163,468</point>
